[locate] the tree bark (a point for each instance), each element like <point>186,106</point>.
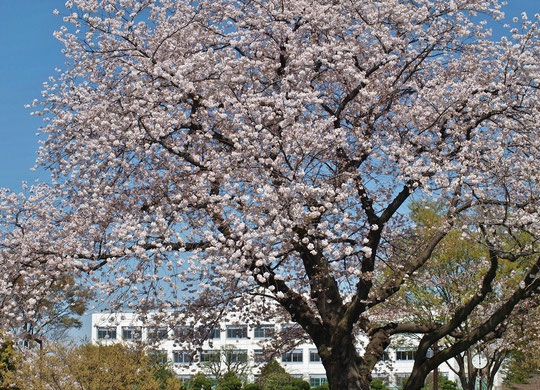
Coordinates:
<point>343,366</point>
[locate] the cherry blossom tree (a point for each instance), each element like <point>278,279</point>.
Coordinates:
<point>227,154</point>
<point>39,294</point>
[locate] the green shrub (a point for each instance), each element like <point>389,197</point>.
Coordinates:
<point>322,387</point>
<point>447,384</point>
<point>229,381</point>
<point>252,386</point>
<point>300,384</point>
<point>444,383</point>
<point>200,382</point>
<point>272,367</point>
<point>274,377</point>
<point>377,384</point>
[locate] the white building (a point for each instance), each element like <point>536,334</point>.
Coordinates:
<point>244,343</point>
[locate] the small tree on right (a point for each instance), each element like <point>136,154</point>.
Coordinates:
<point>435,292</point>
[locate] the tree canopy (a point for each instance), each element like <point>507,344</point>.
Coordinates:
<point>224,154</point>
<point>70,367</point>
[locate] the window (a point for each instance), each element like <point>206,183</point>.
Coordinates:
<point>236,356</point>
<point>291,328</point>
<point>106,333</point>
<point>294,356</point>
<point>237,331</point>
<point>385,357</point>
<point>184,379</point>
<point>405,354</point>
<point>131,332</point>
<point>260,356</point>
<point>314,355</point>
<point>158,333</point>
<point>181,357</point>
<point>263,331</point>
<point>317,380</point>
<point>401,378</point>
<point>183,332</point>
<point>158,356</point>
<point>209,356</point>
<point>215,333</point>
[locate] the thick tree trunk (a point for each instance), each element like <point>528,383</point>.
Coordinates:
<point>416,380</point>
<point>344,366</point>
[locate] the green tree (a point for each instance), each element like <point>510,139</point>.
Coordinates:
<point>59,312</point>
<point>273,376</point>
<point>521,366</point>
<point>460,264</point>
<point>8,362</point>
<point>200,382</point>
<point>322,387</point>
<point>163,373</point>
<point>227,360</point>
<point>252,386</point>
<point>229,381</point>
<point>377,384</point>
<point>444,383</point>
<point>300,384</point>
<point>69,367</point>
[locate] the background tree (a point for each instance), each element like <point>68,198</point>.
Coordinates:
<point>521,366</point>
<point>434,293</point>
<point>8,363</point>
<point>204,154</point>
<point>523,361</point>
<point>377,384</point>
<point>200,382</point>
<point>443,383</point>
<point>38,306</point>
<point>227,360</point>
<point>229,381</point>
<point>273,377</point>
<point>68,367</point>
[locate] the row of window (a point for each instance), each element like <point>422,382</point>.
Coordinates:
<point>181,332</point>
<point>241,355</point>
<point>259,356</point>
<point>232,332</point>
<point>399,378</point>
<point>314,379</point>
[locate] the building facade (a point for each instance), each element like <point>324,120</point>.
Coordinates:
<point>243,344</point>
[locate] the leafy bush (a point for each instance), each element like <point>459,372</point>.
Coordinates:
<point>300,384</point>
<point>272,367</point>
<point>377,384</point>
<point>447,384</point>
<point>322,387</point>
<point>252,386</point>
<point>520,366</point>
<point>200,382</point>
<point>274,377</point>
<point>229,381</point>
<point>444,383</point>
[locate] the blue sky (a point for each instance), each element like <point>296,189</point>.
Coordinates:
<point>30,55</point>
